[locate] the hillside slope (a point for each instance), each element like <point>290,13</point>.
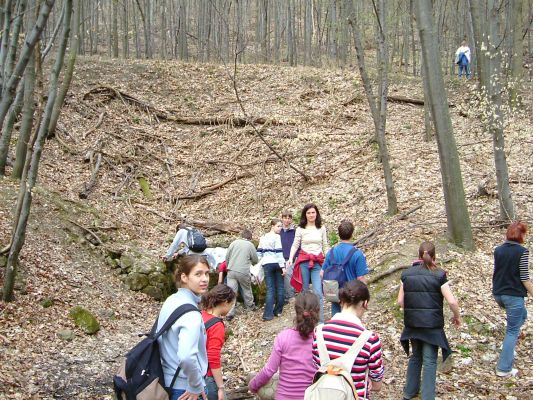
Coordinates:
<point>127,112</point>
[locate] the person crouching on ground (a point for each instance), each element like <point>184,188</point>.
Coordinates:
<point>291,354</point>
<point>183,346</point>
<point>271,255</point>
<point>423,288</point>
<point>216,304</point>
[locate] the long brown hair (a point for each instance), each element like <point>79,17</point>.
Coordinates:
<point>426,252</point>
<point>307,309</point>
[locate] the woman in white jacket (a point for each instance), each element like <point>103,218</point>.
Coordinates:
<point>273,263</point>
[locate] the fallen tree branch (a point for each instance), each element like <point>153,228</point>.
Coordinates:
<point>94,235</point>
<point>401,216</point>
<point>98,123</point>
<point>210,189</point>
<point>88,187</point>
<point>111,93</point>
<point>387,273</point>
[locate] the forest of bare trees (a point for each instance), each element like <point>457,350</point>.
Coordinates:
<point>400,36</point>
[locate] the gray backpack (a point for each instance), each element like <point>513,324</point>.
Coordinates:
<point>333,379</point>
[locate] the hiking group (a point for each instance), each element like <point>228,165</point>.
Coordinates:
<point>336,359</point>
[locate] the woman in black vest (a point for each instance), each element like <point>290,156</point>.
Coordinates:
<point>510,284</point>
<point>423,288</point>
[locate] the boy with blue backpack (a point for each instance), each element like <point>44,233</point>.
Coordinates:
<point>343,263</point>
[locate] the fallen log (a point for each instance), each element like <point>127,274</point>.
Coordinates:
<point>211,189</point>
<point>110,93</point>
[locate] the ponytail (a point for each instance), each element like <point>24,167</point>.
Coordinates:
<point>426,253</point>
<point>307,309</point>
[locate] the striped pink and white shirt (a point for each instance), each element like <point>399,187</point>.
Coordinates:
<point>339,334</point>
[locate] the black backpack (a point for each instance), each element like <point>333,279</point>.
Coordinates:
<point>141,372</point>
<point>196,241</point>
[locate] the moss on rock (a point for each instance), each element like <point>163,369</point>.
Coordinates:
<point>84,320</point>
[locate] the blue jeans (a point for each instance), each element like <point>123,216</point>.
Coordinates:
<point>313,276</point>
<point>464,69</point>
<point>176,393</point>
<point>275,295</point>
<point>211,388</point>
<point>423,355</point>
<point>516,311</point>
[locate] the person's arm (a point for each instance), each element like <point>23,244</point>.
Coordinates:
<point>523,267</point>
<point>401,295</point>
<point>220,277</point>
<point>454,306</point>
<point>190,330</point>
<point>269,369</point>
<point>295,245</point>
<point>228,254</point>
<point>178,239</point>
<point>253,254</point>
<point>278,251</point>
<point>376,370</point>
<point>361,267</point>
<point>215,341</point>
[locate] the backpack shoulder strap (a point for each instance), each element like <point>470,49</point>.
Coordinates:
<point>321,346</point>
<point>176,314</point>
<point>348,358</point>
<point>349,256</point>
<point>332,251</point>
<point>211,322</point>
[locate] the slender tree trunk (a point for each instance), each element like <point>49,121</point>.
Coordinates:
<point>7,131</point>
<point>413,42</point>
<point>4,45</point>
<point>69,71</point>
<point>114,27</point>
<point>458,219</point>
<point>17,26</point>
<point>10,88</point>
<point>20,231</point>
<point>125,28</point>
<point>28,107</point>
<point>516,51</point>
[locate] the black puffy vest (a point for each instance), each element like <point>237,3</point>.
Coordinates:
<point>506,276</point>
<point>422,297</point>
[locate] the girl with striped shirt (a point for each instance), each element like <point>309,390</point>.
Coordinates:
<point>343,330</point>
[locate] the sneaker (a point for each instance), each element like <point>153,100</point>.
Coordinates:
<point>510,374</point>
<point>278,314</point>
<point>254,308</point>
<point>229,317</point>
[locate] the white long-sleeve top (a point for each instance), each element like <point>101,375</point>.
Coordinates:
<point>311,240</point>
<point>270,250</point>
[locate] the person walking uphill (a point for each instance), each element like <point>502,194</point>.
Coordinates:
<point>273,263</point>
<point>462,59</point>
<point>291,354</point>
<point>510,284</point>
<point>312,240</point>
<point>241,255</point>
<point>183,346</point>
<point>422,290</point>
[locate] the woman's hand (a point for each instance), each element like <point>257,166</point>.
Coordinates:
<point>193,396</point>
<point>456,321</point>
<point>289,262</point>
<point>221,394</point>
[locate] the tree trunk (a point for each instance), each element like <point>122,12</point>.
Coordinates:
<point>495,114</point>
<point>69,71</point>
<point>125,33</point>
<point>458,219</point>
<point>9,90</point>
<point>516,51</point>
<point>28,108</point>
<point>20,231</point>
<point>14,112</point>
<point>12,52</point>
<point>4,46</point>
<point>114,27</point>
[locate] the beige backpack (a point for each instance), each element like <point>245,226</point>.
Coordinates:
<point>333,379</point>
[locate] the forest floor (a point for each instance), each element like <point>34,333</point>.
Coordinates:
<point>139,116</point>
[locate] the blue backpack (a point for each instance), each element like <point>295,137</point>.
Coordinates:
<point>196,241</point>
<point>335,276</point>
